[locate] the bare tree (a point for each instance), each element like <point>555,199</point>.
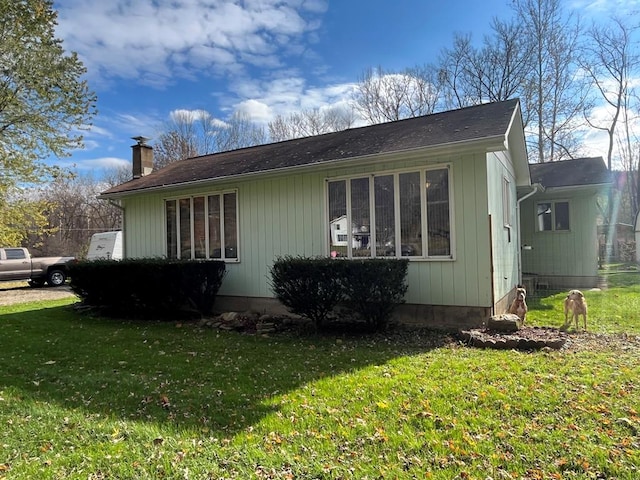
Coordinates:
<point>192,133</point>
<point>74,214</point>
<point>383,96</point>
<point>311,122</point>
<point>494,71</point>
<point>238,132</point>
<point>189,133</point>
<point>610,61</point>
<point>555,98</point>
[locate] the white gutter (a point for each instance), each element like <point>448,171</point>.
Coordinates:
<point>536,188</point>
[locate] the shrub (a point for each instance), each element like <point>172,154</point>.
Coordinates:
<point>373,288</point>
<point>313,287</point>
<point>308,287</point>
<point>145,287</point>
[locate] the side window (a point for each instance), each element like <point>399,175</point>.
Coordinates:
<point>506,202</point>
<point>202,227</point>
<point>15,254</point>
<point>562,216</point>
<point>404,214</point>
<point>552,216</point>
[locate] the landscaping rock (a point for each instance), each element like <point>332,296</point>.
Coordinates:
<point>507,322</point>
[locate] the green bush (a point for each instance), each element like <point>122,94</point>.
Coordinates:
<point>313,287</point>
<point>308,287</point>
<point>373,288</point>
<point>148,287</point>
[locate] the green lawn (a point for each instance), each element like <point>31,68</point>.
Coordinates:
<point>91,398</point>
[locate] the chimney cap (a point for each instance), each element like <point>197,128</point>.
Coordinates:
<point>141,140</point>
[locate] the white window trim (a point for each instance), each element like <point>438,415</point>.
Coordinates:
<point>396,181</point>
<point>220,194</point>
<point>553,216</point>
<point>507,219</point>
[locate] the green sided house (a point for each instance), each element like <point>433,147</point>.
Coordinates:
<point>441,190</point>
<point>559,226</point>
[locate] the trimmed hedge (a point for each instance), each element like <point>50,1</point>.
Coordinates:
<point>314,287</point>
<point>307,287</point>
<point>373,288</point>
<point>148,287</point>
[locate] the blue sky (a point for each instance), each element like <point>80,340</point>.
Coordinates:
<point>149,58</point>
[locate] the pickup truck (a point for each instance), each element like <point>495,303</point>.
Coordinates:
<point>17,264</point>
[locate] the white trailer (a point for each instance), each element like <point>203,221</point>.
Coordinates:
<point>105,246</point>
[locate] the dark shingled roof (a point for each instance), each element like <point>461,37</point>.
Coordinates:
<point>456,126</point>
<point>570,173</point>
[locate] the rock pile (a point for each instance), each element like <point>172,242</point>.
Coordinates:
<point>507,332</point>
<point>250,322</point>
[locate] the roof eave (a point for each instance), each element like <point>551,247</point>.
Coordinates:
<point>577,188</point>
<point>486,144</point>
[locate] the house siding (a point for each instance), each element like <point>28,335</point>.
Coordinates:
<point>505,241</point>
<point>562,259</point>
<point>286,215</point>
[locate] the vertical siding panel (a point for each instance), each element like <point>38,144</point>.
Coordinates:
<point>299,214</point>
<point>480,281</point>
<point>279,199</point>
<point>267,200</point>
<point>317,216</point>
<point>253,234</point>
<point>308,218</point>
<point>285,223</point>
<point>469,229</point>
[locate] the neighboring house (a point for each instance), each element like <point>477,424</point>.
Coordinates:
<point>559,223</point>
<point>440,190</point>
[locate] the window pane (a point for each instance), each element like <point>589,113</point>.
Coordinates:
<point>230,226</point>
<point>506,202</point>
<point>15,254</point>
<point>214,227</point>
<point>410,214</point>
<point>185,228</point>
<point>360,217</point>
<point>172,236</point>
<point>385,216</point>
<point>338,231</point>
<point>562,215</point>
<point>544,217</point>
<point>438,220</point>
<point>200,250</point>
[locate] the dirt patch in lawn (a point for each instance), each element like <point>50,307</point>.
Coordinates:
<point>20,292</point>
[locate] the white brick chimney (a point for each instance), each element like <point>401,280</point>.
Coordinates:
<point>142,157</point>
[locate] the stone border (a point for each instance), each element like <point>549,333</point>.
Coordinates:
<point>532,338</point>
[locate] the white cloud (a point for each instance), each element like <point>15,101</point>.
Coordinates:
<point>597,7</point>
<point>154,41</point>
<point>181,115</point>
<point>95,164</point>
<point>256,110</point>
<point>264,100</point>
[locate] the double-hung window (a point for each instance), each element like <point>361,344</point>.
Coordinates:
<point>203,227</point>
<point>401,214</point>
<point>552,216</point>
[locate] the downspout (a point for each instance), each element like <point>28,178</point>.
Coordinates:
<point>536,188</point>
